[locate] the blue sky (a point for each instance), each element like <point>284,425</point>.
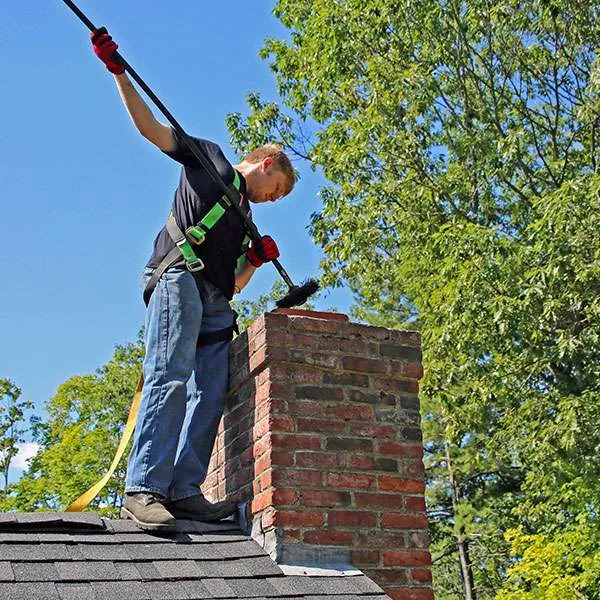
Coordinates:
<point>83,195</point>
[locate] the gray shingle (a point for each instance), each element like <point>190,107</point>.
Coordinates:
<point>33,552</point>
<point>242,549</point>
<point>103,552</point>
<point>121,590</point>
<point>35,572</point>
<point>167,590</point>
<point>74,552</point>
<point>262,566</point>
<point>216,588</point>
<point>299,585</point>
<point>87,571</point>
<point>251,588</point>
<point>127,571</point>
<point>28,591</point>
<point>225,568</point>
<point>176,551</point>
<point>76,591</point>
<point>366,585</point>
<point>179,569</point>
<point>147,570</point>
<point>6,572</point>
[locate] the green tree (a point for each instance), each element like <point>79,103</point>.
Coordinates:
<point>79,438</point>
<point>12,415</point>
<point>460,146</point>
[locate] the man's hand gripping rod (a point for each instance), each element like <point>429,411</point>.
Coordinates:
<point>297,294</point>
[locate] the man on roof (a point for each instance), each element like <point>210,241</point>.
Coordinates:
<point>189,321</point>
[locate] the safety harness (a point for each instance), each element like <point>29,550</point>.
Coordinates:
<point>193,235</point>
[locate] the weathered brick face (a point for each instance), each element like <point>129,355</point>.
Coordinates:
<point>321,437</point>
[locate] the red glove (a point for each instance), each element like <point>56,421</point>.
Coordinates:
<point>105,48</point>
<point>259,254</point>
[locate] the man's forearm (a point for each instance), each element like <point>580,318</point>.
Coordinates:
<point>243,276</point>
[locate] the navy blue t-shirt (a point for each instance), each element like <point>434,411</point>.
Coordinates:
<point>195,195</point>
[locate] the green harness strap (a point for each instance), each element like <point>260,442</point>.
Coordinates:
<point>196,233</point>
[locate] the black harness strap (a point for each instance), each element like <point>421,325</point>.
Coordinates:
<point>221,335</point>
<point>173,256</point>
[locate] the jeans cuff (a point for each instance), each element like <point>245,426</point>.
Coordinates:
<point>135,489</point>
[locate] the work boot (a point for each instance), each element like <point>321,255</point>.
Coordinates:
<point>198,508</point>
<point>148,512</point>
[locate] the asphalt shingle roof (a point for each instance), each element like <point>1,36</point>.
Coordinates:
<point>81,556</point>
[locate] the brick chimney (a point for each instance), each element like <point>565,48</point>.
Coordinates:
<point>321,438</point>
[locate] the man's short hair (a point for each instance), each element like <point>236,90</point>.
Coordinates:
<point>281,162</point>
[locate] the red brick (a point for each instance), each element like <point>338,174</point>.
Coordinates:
<point>351,480</point>
<point>363,365</point>
<point>389,483</point>
<point>361,461</point>
<point>319,425</point>
<point>281,423</point>
<point>350,413</point>
<point>315,325</point>
<point>262,501</point>
<point>283,496</point>
<point>304,408</point>
<point>403,368</point>
<point>319,460</point>
<point>291,374</point>
<point>374,431</point>
<point>299,518</point>
<point>421,575</point>
<point>409,593</point>
<point>371,500</point>
<point>261,464</point>
<point>411,558</point>
<point>324,498</point>
<point>262,482</point>
<point>262,445</point>
<point>381,540</point>
<point>385,384</point>
<point>401,450</point>
<point>260,428</point>
<point>351,518</point>
<point>414,503</point>
<point>413,468</point>
<point>295,477</point>
<point>282,459</point>
<point>400,521</point>
<point>295,442</point>
<point>328,538</point>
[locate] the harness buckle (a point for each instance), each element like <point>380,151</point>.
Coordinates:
<point>195,235</point>
<point>195,266</point>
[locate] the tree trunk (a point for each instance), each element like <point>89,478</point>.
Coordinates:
<point>462,542</point>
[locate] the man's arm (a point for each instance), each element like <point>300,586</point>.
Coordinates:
<point>153,130</point>
<point>160,135</point>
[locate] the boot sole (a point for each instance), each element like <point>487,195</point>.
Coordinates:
<point>127,514</point>
<point>208,518</point>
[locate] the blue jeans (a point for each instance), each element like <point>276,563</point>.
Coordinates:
<point>179,414</point>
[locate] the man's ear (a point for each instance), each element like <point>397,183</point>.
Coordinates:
<point>267,162</point>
